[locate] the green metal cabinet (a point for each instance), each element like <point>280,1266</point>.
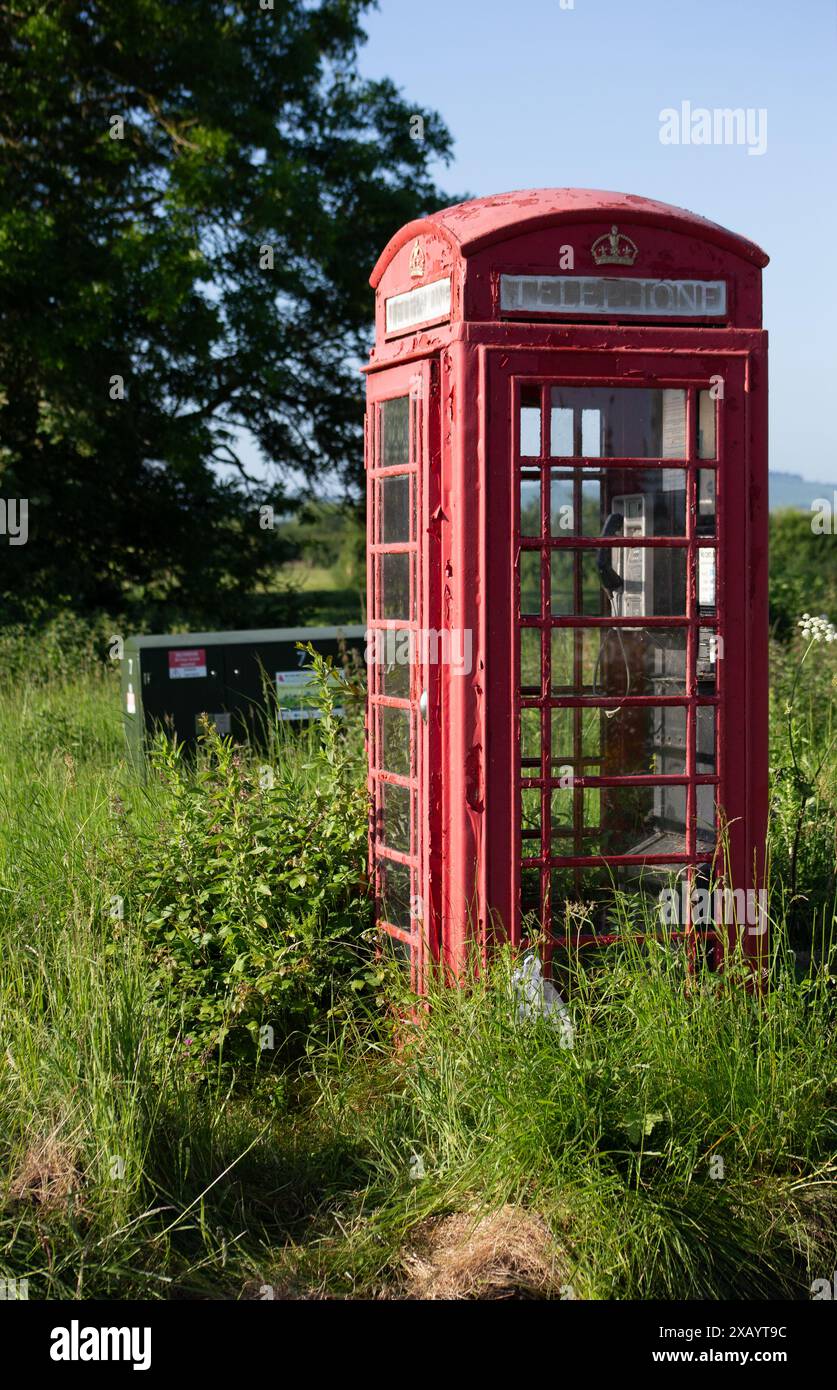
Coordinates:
<point>170,680</point>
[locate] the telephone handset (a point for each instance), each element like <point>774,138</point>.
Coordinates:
<point>613,583</point>
<point>633,564</point>
<point>610,578</point>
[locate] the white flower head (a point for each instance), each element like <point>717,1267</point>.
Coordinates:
<point>817,629</point>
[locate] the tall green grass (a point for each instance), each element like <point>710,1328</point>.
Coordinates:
<point>124,1168</point>
<point>682,1147</point>
<point>124,1171</point>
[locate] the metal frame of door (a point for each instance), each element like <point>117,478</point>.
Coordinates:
<point>403,714</point>
<point>740,611</point>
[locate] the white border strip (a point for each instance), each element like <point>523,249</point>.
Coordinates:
<point>417,306</point>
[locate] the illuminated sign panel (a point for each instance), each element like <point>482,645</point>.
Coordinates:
<point>602,294</point>
<point>418,306</point>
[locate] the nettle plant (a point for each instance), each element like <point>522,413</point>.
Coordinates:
<point>255,904</point>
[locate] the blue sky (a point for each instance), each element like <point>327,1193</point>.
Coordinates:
<point>538,95</point>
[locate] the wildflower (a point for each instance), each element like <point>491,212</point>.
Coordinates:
<point>817,629</point>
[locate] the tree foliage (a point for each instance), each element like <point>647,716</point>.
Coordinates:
<point>156,156</point>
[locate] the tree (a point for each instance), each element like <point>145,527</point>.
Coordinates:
<point>191,198</point>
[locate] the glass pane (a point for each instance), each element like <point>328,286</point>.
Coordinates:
<point>530,741</point>
<point>530,895</point>
<point>392,651</point>
<point>584,502</point>
<point>576,505</point>
<point>530,660</point>
<point>561,443</point>
<point>563,801</point>
<point>395,894</point>
<point>575,657</point>
<point>530,504</point>
<point>707,482</point>
<point>530,581</point>
<point>591,432</point>
<point>617,422</point>
<point>395,740</point>
<point>530,822</point>
<point>619,820</point>
<point>565,724</point>
<point>633,582</point>
<point>395,581</point>
<point>706,442</point>
<point>705,741</point>
<point>705,819</point>
<point>618,661</point>
<point>562,517</point>
<point>667,740</point>
<point>394,823</point>
<point>617,898</point>
<point>708,651</point>
<point>530,422</point>
<point>576,584</point>
<point>645,740</point>
<point>577,741</point>
<point>629,740</point>
<point>395,509</point>
<point>567,803</point>
<point>395,432</point>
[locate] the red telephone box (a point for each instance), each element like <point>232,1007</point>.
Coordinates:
<point>566,451</point>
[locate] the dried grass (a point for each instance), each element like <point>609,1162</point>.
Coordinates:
<point>510,1253</point>
<point>47,1176</point>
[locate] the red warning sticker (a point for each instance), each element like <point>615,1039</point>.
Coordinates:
<point>187,662</point>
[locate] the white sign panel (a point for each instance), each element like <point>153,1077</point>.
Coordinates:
<point>417,306</point>
<point>296,696</point>
<point>706,577</point>
<point>603,294</point>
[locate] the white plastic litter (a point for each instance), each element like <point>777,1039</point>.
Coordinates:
<point>538,998</point>
<point>417,1169</point>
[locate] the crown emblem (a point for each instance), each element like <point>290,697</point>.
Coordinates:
<point>614,248</point>
<point>416,260</point>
